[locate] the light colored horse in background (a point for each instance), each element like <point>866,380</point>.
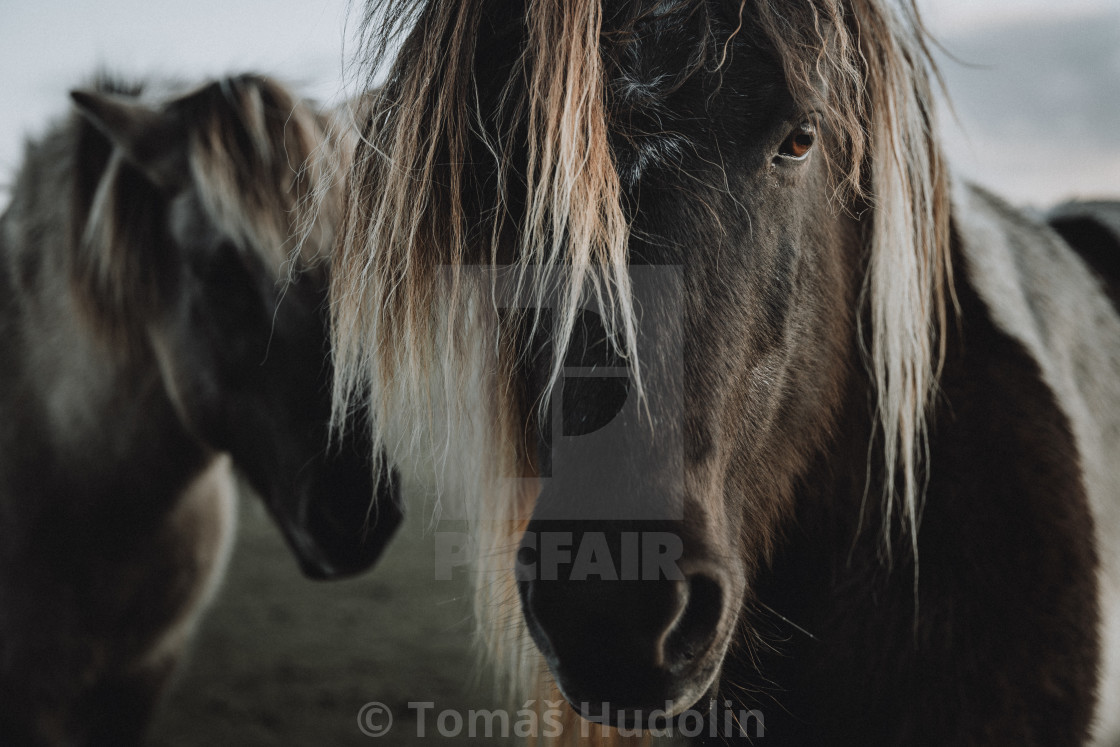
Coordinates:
<point>157,331</point>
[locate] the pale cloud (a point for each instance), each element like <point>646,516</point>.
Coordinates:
<point>1038,105</point>
<point>50,46</point>
<point>952,16</point>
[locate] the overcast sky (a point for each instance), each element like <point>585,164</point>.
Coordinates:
<point>1036,94</point>
<point>1039,101</point>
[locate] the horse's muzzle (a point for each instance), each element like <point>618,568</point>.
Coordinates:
<point>625,649</point>
<point>343,518</point>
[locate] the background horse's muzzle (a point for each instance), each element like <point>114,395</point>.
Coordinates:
<point>343,518</point>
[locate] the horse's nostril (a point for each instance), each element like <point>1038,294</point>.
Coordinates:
<point>693,632</point>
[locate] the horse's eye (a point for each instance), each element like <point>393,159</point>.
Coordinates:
<point>799,142</point>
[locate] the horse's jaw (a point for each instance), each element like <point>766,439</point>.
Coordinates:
<point>338,519</point>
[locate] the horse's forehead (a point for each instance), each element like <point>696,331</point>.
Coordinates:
<point>645,26</point>
<point>621,9</point>
<point>670,41</point>
<point>189,222</point>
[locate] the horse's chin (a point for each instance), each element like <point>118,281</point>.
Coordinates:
<point>337,535</point>
<point>336,522</point>
<point>329,556</point>
<point>646,712</point>
<point>655,703</point>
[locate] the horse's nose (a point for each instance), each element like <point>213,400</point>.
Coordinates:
<point>635,644</point>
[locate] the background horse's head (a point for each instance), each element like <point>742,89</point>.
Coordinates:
<point>722,200</point>
<point>186,214</point>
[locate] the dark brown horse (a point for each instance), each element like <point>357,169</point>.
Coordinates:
<point>759,417</point>
<point>157,330</point>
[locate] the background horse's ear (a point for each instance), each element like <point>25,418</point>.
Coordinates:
<point>152,140</point>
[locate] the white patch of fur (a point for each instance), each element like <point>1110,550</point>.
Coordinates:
<point>1043,295</point>
<point>208,509</point>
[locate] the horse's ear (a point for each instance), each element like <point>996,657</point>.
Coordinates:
<point>152,140</point>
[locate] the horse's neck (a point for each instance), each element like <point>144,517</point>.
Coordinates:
<point>86,423</point>
<point>1005,532</point>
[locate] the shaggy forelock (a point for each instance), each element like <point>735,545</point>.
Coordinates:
<point>265,165</point>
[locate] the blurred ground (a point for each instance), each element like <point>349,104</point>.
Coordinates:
<point>281,660</point>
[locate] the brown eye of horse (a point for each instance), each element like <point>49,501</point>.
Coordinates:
<point>799,142</point>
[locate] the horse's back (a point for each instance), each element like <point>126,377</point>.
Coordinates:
<point>1049,288</point>
<point>1092,228</point>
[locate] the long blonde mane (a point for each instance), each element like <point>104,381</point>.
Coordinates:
<point>416,334</point>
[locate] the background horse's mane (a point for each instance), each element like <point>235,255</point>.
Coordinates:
<point>261,161</point>
<point>404,312</point>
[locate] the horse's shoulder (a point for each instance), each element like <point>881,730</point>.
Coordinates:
<point>1040,292</point>
<point>1035,286</point>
